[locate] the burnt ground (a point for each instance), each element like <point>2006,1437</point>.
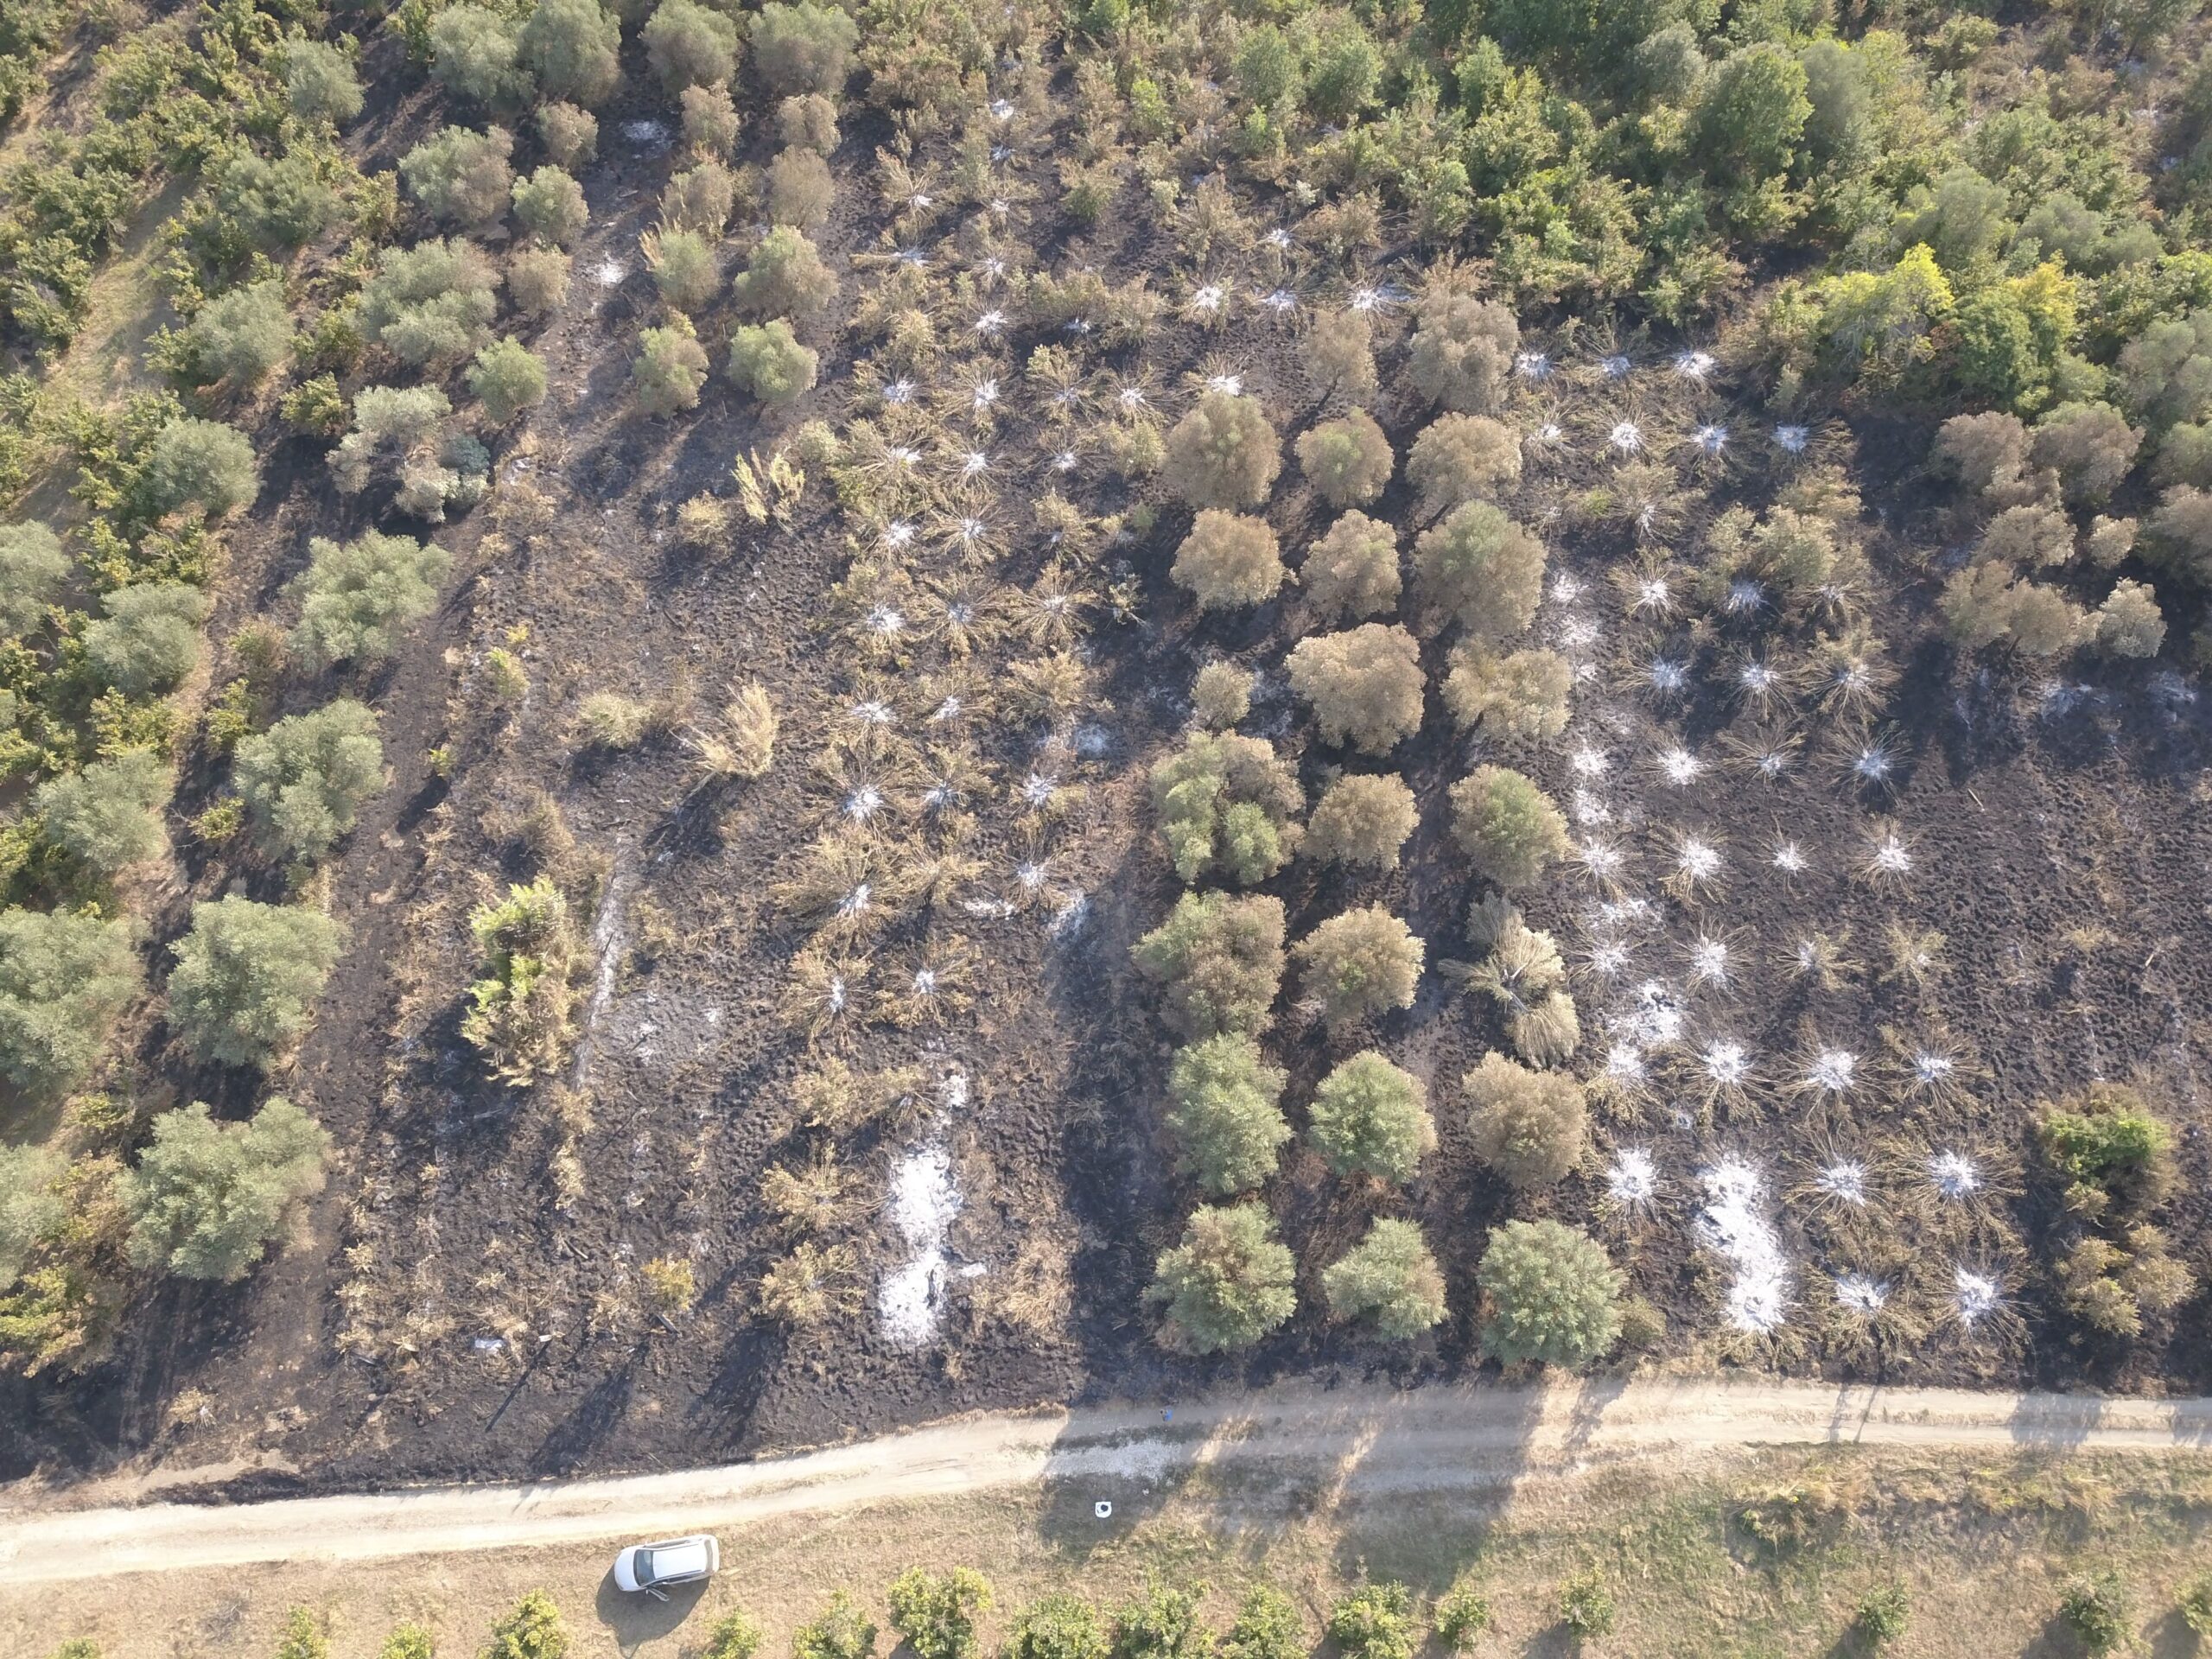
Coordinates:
<point>445,1312</point>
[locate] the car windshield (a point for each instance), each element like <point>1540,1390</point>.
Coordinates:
<point>674,1560</point>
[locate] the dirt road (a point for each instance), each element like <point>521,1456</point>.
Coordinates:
<point>1352,1440</point>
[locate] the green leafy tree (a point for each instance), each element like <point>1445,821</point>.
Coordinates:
<point>247,976</point>
<point>1228,1284</point>
<point>358,597</point>
<point>1508,827</point>
<point>1481,569</point>
<point>1375,1621</point>
<point>1223,1110</point>
<point>201,464</point>
<point>1751,118</point>
<point>936,1612</point>
<point>785,276</point>
<point>431,304</point>
<point>1361,821</point>
<point>274,206</point>
<point>239,337</point>
<point>507,377</point>
<point>2113,1153</point>
<point>320,83</point>
<point>1353,570</point>
<point>1531,1127</point>
<point>1365,685</point>
<point>802,48</point>
<point>64,980</point>
<point>1057,1626</point>
<point>1363,962</point>
<point>303,779</point>
<point>1390,1280</point>
<point>1227,807</point>
<point>1553,1296</point>
<point>1267,1626</point>
<point>1220,959</point>
<point>1348,459</point>
<point>768,362</point>
<point>841,1630</point>
<point>1369,1117</point>
<point>108,816</point>
<point>690,45</point>
<point>462,178</point>
<point>1223,454</point>
<point>476,52</point>
<point>32,568</point>
<point>669,370</point>
<point>206,1198</point>
<point>531,1629</point>
<point>572,49</point>
<point>550,205</point>
<point>149,639</point>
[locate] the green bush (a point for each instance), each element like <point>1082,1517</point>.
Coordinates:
<point>1353,570</point>
<point>1221,960</point>
<point>303,779</point>
<point>431,304</point>
<point>1361,821</point>
<point>735,1636</point>
<point>785,276</point>
<point>522,1004</point>
<point>936,1612</point>
<point>669,370</point>
<point>1057,1626</point>
<point>1553,1296</point>
<point>1511,831</point>
<point>550,205</point>
<point>1228,559</point>
<point>1369,1117</point>
<point>507,377</point>
<point>1227,808</point>
<point>1365,685</point>
<point>108,816</point>
<point>305,1636</point>
<point>531,1629</point>
<point>201,464</point>
<point>149,639</point>
<point>801,191</point>
<point>1586,1605</point>
<point>767,361</point>
<point>475,54</point>
<point>2110,1148</point>
<point>247,976</point>
<point>1162,1622</point>
<point>1531,1127</point>
<point>1267,1626</point>
<point>802,48</point>
<point>1348,459</point>
<point>64,980</point>
<point>272,205</point>
<point>2097,1608</point>
<point>33,567</point>
<point>841,1630</point>
<point>1389,1280</point>
<point>572,47</point>
<point>1481,569</point>
<point>320,83</point>
<point>206,1198</point>
<point>1883,1616</point>
<point>409,1641</point>
<point>1228,1284</point>
<point>688,45</point>
<point>356,598</point>
<point>1223,1110</point>
<point>1223,454</point>
<point>1375,1622</point>
<point>31,1207</point>
<point>1463,351</point>
<point>684,268</point>
<point>240,336</point>
<point>462,178</point>
<point>1364,961</point>
<point>1461,1615</point>
<point>1461,458</point>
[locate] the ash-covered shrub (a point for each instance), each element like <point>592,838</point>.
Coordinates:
<point>2030,534</point>
<point>1363,962</point>
<point>807,121</point>
<point>538,280</point>
<point>784,277</point>
<point>1340,355</point>
<point>800,190</point>
<point>573,48</point>
<point>475,54</point>
<point>1219,960</point>
<point>206,1198</point>
<point>938,1613</point>
<point>1225,1113</point>
<point>320,83</point>
<point>1221,696</point>
<point>357,597</point>
<point>683,268</point>
<point>460,178</point>
<point>1057,1626</point>
<point>507,377</point>
<point>201,464</point>
<point>149,639</point>
<point>570,135</point>
<point>1348,459</point>
<point>669,370</point>
<point>1363,685</point>
<point>108,816</point>
<point>1227,808</point>
<point>1228,1284</point>
<point>32,568</point>
<point>1507,826</point>
<point>247,976</point>
<point>1390,1283</point>
<point>522,1003</point>
<point>1224,453</point>
<point>1353,570</point>
<point>239,337</point>
<point>1531,1127</point>
<point>1375,1622</point>
<point>303,780</point>
<point>802,48</point>
<point>767,361</point>
<point>550,205</point>
<point>1462,354</point>
<point>1362,821</point>
<point>1515,695</point>
<point>1552,1295</point>
<point>1369,1117</point>
<point>63,978</point>
<point>1228,559</point>
<point>2090,446</point>
<point>1462,458</point>
<point>431,304</point>
<point>690,45</point>
<point>1481,569</point>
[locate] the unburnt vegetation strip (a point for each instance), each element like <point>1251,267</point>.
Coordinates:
<point>774,718</point>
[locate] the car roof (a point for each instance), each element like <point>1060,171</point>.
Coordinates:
<point>676,1558</point>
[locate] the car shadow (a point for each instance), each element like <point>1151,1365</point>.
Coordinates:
<point>637,1619</point>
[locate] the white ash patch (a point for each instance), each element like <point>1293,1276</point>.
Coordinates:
<point>1733,1225</point>
<point>1953,1175</point>
<point>1068,919</point>
<point>1975,1295</point>
<point>610,272</point>
<point>1633,1178</point>
<point>1845,1182</point>
<point>649,135</point>
<point>1856,1293</point>
<point>924,1201</point>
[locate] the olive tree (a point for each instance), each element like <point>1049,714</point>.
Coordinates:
<point>1223,454</point>
<point>1228,559</point>
<point>148,638</point>
<point>64,980</point>
<point>785,276</point>
<point>1223,1110</point>
<point>550,205</point>
<point>1369,1117</point>
<point>319,82</point>
<point>1507,826</point>
<point>1363,685</point>
<point>669,370</point>
<point>767,361</point>
<point>1390,1281</point>
<point>801,190</point>
<point>206,1198</point>
<point>802,48</point>
<point>1364,961</point>
<point>203,464</point>
<point>462,178</point>
<point>572,49</point>
<point>690,45</point>
<point>1220,960</point>
<point>1481,569</point>
<point>239,337</point>
<point>1361,821</point>
<point>1532,1127</point>
<point>32,568</point>
<point>1347,460</point>
<point>303,779</point>
<point>508,378</point>
<point>475,54</point>
<point>1228,1284</point>
<point>247,977</point>
<point>1552,1295</point>
<point>684,267</point>
<point>432,304</point>
<point>108,816</point>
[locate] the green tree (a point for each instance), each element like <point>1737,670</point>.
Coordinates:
<point>108,816</point>
<point>407,1641</point>
<point>1375,1622</point>
<point>768,362</point>
<point>841,1630</point>
<point>247,976</point>
<point>1369,1117</point>
<point>1228,1284</point>
<point>1223,454</point>
<point>1751,118</point>
<point>669,370</point>
<point>33,567</point>
<point>572,47</point>
<point>937,1613</point>
<point>531,1629</point>
<point>688,45</point>
<point>272,205</point>
<point>319,82</point>
<point>63,978</point>
<point>1221,960</point>
<point>201,464</point>
<point>1227,807</point>
<point>1363,962</point>
<point>149,639</point>
<point>785,276</point>
<point>1508,827</point>
<point>1223,1110</point>
<point>1057,1626</point>
<point>1389,1280</point>
<point>550,205</point>
<point>31,1207</point>
<point>462,178</point>
<point>475,54</point>
<point>1462,1614</point>
<point>507,377</point>
<point>430,304</point>
<point>683,268</point>
<point>206,1198</point>
<point>735,1636</point>
<point>802,48</point>
<point>1553,1296</point>
<point>356,598</point>
<point>239,337</point>
<point>303,779</point>
<point>1162,1622</point>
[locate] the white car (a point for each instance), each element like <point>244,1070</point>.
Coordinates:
<point>652,1567</point>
